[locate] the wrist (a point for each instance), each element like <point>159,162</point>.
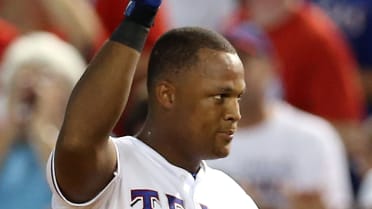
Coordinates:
<point>139,17</point>
<point>131,34</point>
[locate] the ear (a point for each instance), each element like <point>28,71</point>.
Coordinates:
<point>165,94</point>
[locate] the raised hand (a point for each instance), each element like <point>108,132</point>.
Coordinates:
<point>142,11</point>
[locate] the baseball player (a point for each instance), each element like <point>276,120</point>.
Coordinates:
<point>195,80</point>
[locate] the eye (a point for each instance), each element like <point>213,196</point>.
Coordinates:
<point>219,98</point>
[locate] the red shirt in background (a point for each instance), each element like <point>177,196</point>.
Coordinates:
<point>318,71</point>
<point>8,33</point>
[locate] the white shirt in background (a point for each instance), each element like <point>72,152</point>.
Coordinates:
<point>210,14</point>
<point>291,150</point>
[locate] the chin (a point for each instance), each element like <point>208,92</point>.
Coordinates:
<point>221,153</point>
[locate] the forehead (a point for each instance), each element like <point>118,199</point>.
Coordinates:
<point>218,69</point>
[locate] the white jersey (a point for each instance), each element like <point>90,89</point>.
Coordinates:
<point>146,180</point>
<point>290,150</point>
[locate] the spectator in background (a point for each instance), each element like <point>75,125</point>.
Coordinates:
<point>317,68</point>
<point>286,158</point>
<point>74,21</point>
<point>207,13</point>
<point>318,71</point>
<point>111,14</point>
<point>354,17</point>
<point>38,72</point>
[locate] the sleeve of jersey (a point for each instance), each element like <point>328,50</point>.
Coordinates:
<point>60,201</point>
<point>227,190</point>
<point>245,200</point>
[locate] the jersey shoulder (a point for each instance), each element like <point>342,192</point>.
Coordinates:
<point>222,186</point>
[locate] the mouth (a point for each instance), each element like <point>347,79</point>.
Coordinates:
<point>227,135</point>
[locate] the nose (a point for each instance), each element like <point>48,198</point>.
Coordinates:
<point>233,111</point>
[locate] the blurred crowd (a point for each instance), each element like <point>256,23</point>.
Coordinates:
<point>305,137</point>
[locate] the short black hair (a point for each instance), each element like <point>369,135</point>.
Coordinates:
<point>177,50</point>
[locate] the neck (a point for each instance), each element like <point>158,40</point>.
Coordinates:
<point>163,141</point>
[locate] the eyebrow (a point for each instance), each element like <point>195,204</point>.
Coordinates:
<point>229,89</point>
<point>226,89</point>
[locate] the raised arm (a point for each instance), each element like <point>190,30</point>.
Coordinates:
<point>85,159</point>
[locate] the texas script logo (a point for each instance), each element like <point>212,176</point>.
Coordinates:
<point>150,199</point>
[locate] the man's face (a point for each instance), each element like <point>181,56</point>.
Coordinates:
<point>207,103</point>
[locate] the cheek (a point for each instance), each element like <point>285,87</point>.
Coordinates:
<point>199,122</point>
<point>206,112</point>
<point>205,122</point>
<point>200,118</point>
<point>201,126</point>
